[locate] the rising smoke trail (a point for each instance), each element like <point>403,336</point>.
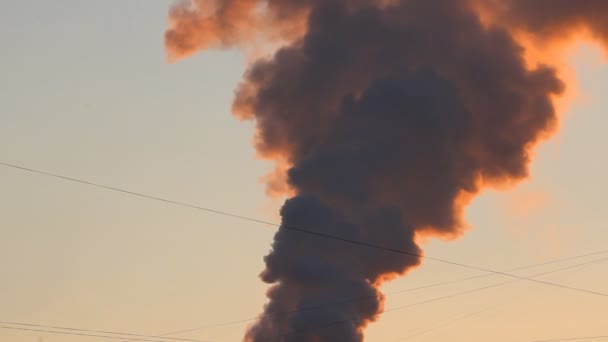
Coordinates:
<point>384,119</point>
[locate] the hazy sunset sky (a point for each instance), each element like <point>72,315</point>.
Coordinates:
<point>85,92</point>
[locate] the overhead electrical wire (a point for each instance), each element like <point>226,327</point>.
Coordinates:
<point>76,334</point>
<point>575,339</point>
<point>444,324</point>
<point>299,229</point>
<point>450,322</point>
<point>307,232</point>
<point>361,298</point>
<point>343,321</point>
<point>122,335</point>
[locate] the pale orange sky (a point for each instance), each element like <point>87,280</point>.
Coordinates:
<point>86,92</point>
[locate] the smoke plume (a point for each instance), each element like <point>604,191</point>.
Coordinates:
<point>384,119</point>
<point>553,18</point>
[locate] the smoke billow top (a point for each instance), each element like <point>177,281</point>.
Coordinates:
<point>384,119</point>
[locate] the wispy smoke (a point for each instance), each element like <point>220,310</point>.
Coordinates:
<point>390,116</point>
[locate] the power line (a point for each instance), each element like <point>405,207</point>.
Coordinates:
<point>505,283</point>
<point>575,338</point>
<point>445,324</point>
<point>559,260</point>
<point>75,334</point>
<point>437,327</point>
<point>124,335</point>
<point>133,193</point>
<point>361,298</point>
<point>492,274</point>
<point>297,229</point>
<point>342,321</point>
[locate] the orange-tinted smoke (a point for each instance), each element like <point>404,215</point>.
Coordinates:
<point>202,24</point>
<point>307,98</point>
<point>550,31</point>
<point>552,19</point>
<point>197,25</point>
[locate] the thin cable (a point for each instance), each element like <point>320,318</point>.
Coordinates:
<point>575,338</point>
<point>299,229</point>
<point>505,283</point>
<point>579,266</point>
<point>295,228</point>
<point>124,335</point>
<point>361,298</point>
<point>437,327</point>
<point>492,274</point>
<point>138,194</point>
<point>342,321</point>
<point>445,324</point>
<point>75,334</point>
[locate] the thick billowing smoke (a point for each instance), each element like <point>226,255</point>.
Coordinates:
<point>389,115</point>
<point>556,19</point>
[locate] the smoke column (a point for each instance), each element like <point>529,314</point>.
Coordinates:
<point>384,119</point>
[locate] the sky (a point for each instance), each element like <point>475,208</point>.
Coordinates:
<point>86,93</point>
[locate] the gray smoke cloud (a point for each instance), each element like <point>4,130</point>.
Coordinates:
<point>389,116</point>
